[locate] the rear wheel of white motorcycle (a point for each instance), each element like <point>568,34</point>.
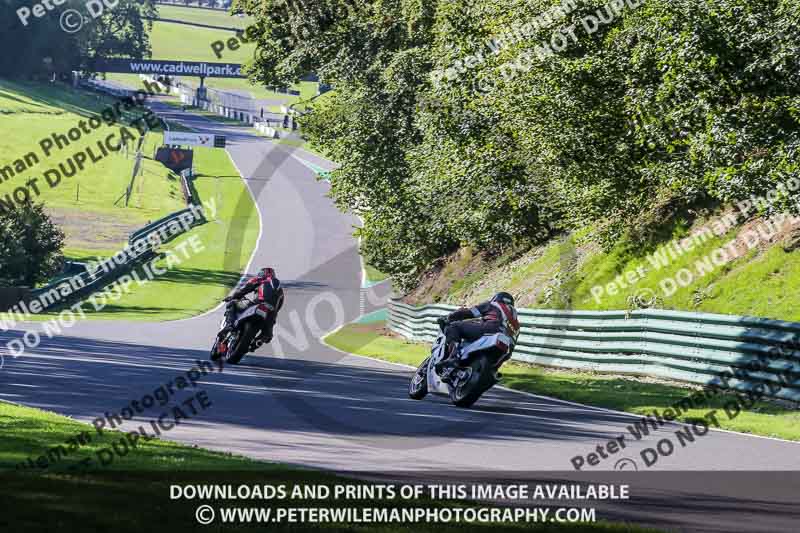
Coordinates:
<point>467,390</point>
<point>418,388</point>
<point>241,343</point>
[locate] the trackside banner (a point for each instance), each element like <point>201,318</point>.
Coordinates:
<point>169,68</point>
<point>194,139</point>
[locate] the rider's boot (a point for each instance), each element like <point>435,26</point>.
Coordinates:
<point>229,318</point>
<point>449,362</point>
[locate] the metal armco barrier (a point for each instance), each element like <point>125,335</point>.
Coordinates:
<point>186,189</point>
<point>272,133</point>
<point>10,296</point>
<point>700,348</point>
<point>155,226</point>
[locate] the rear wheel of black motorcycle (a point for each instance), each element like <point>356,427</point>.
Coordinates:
<point>241,343</point>
<point>467,391</point>
<point>418,388</point>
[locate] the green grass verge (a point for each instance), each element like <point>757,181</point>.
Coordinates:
<point>203,16</point>
<point>373,274</point>
<point>132,494</point>
<point>30,433</point>
<point>613,392</point>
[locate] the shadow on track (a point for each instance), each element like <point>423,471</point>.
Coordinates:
<point>92,377</point>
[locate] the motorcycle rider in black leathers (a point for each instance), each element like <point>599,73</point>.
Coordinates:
<point>270,293</point>
<point>493,316</point>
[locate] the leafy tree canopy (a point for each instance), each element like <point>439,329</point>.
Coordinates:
<point>41,47</point>
<point>30,246</point>
<point>455,125</point>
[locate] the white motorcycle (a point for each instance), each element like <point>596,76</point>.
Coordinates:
<point>479,363</point>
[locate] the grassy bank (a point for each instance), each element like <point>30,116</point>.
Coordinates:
<point>37,111</point>
<point>575,272</point>
<point>204,277</point>
<point>132,493</point>
<point>84,205</point>
<point>610,391</point>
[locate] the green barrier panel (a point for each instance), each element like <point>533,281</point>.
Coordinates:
<point>747,353</point>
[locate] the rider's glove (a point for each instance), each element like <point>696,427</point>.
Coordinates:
<point>442,321</point>
<point>228,299</point>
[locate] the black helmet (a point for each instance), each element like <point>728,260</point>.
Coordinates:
<point>266,273</point>
<point>503,297</point>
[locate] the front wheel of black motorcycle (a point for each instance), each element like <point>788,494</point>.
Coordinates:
<point>466,390</point>
<point>240,343</point>
<point>215,351</point>
<point>418,388</point>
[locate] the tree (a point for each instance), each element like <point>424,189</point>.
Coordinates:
<point>30,246</point>
<point>123,30</point>
<point>41,46</point>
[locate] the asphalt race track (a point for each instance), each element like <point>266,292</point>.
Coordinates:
<point>302,402</point>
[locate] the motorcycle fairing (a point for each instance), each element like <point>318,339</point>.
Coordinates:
<point>466,350</point>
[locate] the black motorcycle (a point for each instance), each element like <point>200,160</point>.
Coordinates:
<point>245,334</point>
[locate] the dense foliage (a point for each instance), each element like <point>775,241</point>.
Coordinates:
<point>40,46</point>
<point>667,103</point>
<point>30,246</point>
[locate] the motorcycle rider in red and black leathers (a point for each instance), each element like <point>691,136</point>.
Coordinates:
<point>270,293</point>
<point>493,316</point>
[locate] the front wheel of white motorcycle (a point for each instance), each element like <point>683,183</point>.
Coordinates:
<point>471,382</point>
<point>418,388</point>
